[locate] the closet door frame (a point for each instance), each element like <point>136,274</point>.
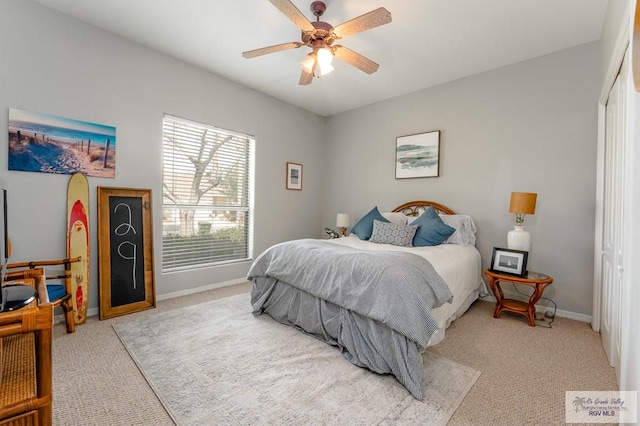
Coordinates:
<point>617,57</point>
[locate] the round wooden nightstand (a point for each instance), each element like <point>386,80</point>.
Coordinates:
<point>535,280</point>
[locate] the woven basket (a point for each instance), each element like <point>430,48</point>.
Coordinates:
<point>17,363</point>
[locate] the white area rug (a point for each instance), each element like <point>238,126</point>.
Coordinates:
<point>215,363</point>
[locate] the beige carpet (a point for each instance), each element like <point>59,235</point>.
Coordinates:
<point>525,370</point>
<point>216,363</point>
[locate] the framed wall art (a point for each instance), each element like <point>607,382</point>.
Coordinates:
<point>418,155</point>
<point>510,262</point>
<point>125,251</point>
<point>50,144</point>
<point>294,176</point>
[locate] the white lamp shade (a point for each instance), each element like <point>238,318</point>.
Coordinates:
<point>308,62</point>
<point>343,220</point>
<point>325,57</point>
<point>325,69</point>
<point>519,239</point>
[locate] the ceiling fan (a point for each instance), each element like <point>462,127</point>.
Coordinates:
<point>320,36</point>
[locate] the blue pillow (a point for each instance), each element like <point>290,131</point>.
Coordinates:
<point>431,229</point>
<point>364,227</point>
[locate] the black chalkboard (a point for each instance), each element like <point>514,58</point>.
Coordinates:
<point>125,251</point>
<point>126,242</point>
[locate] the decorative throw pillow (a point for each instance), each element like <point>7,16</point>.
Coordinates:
<point>465,229</point>
<point>395,217</point>
<point>364,227</point>
<point>392,233</point>
<point>431,229</point>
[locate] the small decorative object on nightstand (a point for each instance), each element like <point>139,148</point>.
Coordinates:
<point>332,234</point>
<point>535,280</point>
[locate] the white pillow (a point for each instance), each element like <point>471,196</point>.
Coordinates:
<point>465,233</point>
<point>411,219</point>
<point>395,217</point>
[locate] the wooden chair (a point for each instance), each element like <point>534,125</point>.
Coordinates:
<point>25,356</point>
<point>58,285</point>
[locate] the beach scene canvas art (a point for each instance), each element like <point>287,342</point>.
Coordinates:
<point>418,155</point>
<point>49,144</point>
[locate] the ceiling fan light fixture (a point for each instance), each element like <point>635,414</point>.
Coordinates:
<point>308,62</point>
<point>319,36</point>
<point>325,68</point>
<point>324,57</point>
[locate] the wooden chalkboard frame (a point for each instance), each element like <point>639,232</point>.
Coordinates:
<point>141,197</point>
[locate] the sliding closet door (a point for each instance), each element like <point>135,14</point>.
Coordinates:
<point>613,223</point>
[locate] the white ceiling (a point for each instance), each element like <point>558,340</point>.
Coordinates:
<point>428,42</point>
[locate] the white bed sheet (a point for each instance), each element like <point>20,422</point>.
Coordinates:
<point>459,266</point>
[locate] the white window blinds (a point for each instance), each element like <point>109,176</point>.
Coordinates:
<point>207,195</point>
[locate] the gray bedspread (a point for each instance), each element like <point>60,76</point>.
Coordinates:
<point>375,305</point>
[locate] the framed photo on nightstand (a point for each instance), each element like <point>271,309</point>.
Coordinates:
<point>510,262</point>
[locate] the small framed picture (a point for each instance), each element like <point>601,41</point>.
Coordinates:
<point>418,155</point>
<point>510,262</point>
<point>294,176</point>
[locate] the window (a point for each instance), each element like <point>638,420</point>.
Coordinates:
<point>207,182</point>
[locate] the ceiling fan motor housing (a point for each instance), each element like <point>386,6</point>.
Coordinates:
<point>318,8</point>
<point>323,31</point>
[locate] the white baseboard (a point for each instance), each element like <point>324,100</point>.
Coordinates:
<point>201,289</point>
<point>543,309</point>
<point>92,312</point>
<point>561,313</point>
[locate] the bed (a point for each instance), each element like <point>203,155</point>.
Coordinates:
<point>380,303</point>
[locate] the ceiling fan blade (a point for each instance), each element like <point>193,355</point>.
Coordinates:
<point>271,49</point>
<point>355,59</point>
<point>373,19</point>
<point>305,78</point>
<point>293,13</point>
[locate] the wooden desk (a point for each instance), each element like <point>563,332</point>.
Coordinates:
<point>535,280</point>
<point>25,357</point>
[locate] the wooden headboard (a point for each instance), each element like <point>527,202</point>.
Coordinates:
<point>414,208</point>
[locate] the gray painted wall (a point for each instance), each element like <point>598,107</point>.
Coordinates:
<point>527,127</point>
<point>57,65</point>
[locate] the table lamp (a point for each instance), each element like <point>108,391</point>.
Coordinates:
<point>522,203</point>
<point>343,221</point>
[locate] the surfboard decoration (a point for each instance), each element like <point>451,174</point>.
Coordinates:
<point>78,243</point>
